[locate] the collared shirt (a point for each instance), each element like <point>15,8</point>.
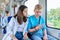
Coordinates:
<point>33,21</point>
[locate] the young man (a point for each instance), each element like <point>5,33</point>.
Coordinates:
<point>5,21</point>
<point>36,25</point>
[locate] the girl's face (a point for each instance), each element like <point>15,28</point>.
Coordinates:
<point>25,12</point>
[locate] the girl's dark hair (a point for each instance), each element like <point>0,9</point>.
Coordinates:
<point>20,17</point>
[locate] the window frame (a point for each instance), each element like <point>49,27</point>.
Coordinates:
<point>46,16</point>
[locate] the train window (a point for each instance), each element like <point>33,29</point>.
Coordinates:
<point>31,4</point>
<point>53,13</point>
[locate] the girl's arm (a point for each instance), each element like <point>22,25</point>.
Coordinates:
<point>10,28</point>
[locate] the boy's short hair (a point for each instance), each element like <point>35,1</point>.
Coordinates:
<point>38,6</point>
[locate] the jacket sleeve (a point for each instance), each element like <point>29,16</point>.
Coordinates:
<point>25,27</point>
<point>10,26</point>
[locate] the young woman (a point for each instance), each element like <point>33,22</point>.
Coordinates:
<point>17,26</point>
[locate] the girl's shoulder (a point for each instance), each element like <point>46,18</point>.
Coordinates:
<point>13,19</point>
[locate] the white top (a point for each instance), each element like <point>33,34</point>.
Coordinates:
<point>20,28</point>
<point>14,26</point>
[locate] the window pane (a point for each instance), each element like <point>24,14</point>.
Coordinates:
<point>53,13</point>
<point>31,4</point>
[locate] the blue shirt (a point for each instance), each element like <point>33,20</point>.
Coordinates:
<point>33,21</point>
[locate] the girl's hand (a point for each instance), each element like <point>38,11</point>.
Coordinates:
<point>25,37</point>
<point>15,38</point>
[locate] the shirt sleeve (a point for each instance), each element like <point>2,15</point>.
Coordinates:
<point>10,26</point>
<point>25,27</point>
<point>29,24</point>
<point>42,23</point>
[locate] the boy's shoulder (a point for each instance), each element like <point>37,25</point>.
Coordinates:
<point>31,16</point>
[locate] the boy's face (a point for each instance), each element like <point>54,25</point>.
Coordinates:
<point>9,14</point>
<point>37,12</point>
